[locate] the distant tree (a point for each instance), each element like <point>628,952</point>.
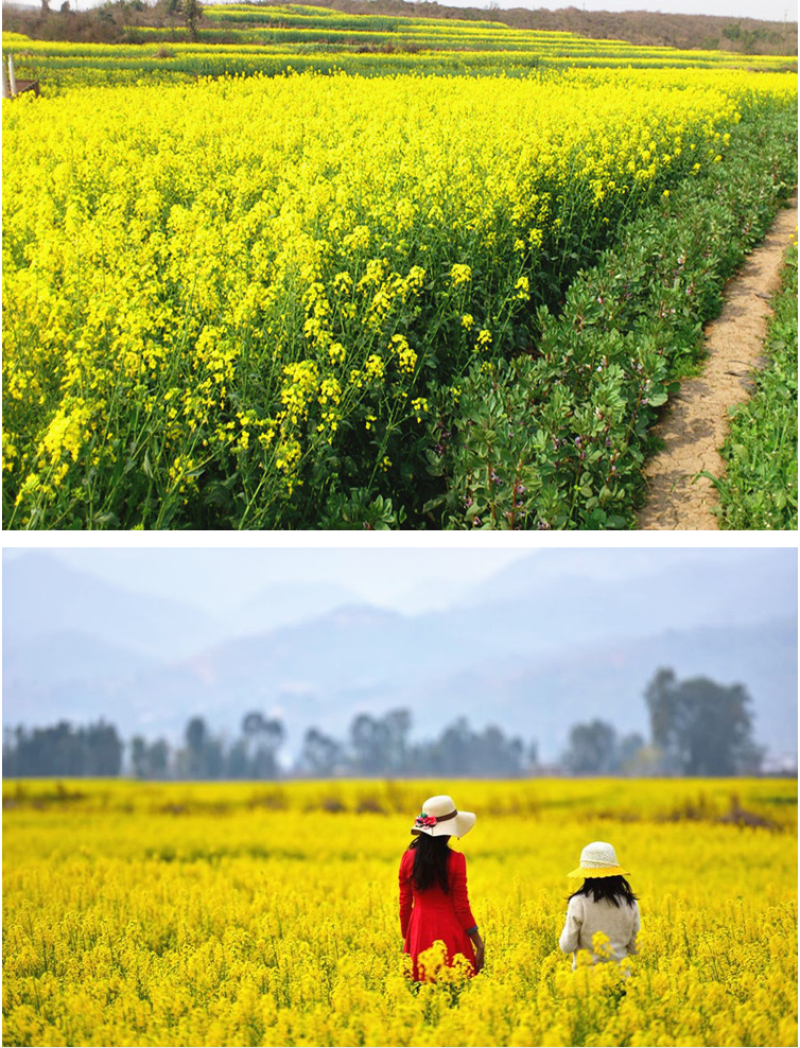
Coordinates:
<point>265,737</point>
<point>321,754</point>
<point>170,11</point>
<point>460,751</point>
<point>214,759</point>
<point>531,757</point>
<point>252,723</point>
<point>700,727</point>
<point>158,757</point>
<point>454,748</point>
<point>368,744</point>
<point>103,750</point>
<point>494,754</point>
<point>380,745</point>
<point>592,749</point>
<point>196,736</point>
<point>397,725</point>
<point>646,762</point>
<point>149,760</point>
<point>237,763</point>
<point>62,749</point>
<point>192,11</point>
<point>630,750</point>
<point>13,739</point>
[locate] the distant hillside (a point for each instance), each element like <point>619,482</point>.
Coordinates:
<point>116,21</point>
<point>645,28</point>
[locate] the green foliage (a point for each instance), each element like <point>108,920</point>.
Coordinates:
<point>192,12</point>
<point>557,439</point>
<point>759,489</point>
<point>357,509</point>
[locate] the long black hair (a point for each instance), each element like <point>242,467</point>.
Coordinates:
<point>431,855</point>
<point>611,888</point>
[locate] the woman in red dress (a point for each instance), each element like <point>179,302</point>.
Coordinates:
<point>434,905</point>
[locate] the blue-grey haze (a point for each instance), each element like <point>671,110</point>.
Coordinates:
<point>532,641</point>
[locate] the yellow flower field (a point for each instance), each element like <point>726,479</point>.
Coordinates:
<point>236,39</point>
<point>255,914</point>
<point>235,302</point>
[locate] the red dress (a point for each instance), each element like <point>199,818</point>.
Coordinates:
<point>428,916</point>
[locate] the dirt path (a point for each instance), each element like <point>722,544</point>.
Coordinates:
<point>695,424</point>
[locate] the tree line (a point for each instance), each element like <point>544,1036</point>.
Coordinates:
<point>62,749</point>
<point>112,22</point>
<point>697,727</point>
<point>375,745</point>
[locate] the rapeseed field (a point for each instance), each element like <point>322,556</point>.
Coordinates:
<point>258,914</point>
<point>251,302</point>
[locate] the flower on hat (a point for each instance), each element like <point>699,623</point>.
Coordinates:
<point>440,818</point>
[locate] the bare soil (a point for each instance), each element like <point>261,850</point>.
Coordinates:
<point>695,423</point>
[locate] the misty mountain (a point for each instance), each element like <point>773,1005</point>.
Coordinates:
<point>44,598</point>
<point>560,637</point>
<point>69,658</point>
<point>361,664</point>
<point>606,592</point>
<point>287,603</point>
<point>543,699</point>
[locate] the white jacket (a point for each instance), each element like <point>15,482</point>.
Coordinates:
<point>585,917</point>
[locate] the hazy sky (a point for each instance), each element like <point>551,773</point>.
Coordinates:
<point>392,572</point>
<point>211,578</point>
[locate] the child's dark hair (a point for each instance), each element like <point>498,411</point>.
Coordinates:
<point>611,888</point>
<point>431,855</point>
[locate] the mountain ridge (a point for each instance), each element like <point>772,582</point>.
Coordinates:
<point>535,651</point>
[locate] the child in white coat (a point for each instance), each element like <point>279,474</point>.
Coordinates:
<point>605,904</point>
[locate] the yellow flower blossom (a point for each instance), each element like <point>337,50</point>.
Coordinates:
<point>419,406</point>
<point>460,274</point>
<point>375,367</point>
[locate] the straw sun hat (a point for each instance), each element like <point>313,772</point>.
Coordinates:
<point>598,859</point>
<point>440,818</point>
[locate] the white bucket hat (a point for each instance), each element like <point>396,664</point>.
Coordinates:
<point>598,859</point>
<point>440,818</point>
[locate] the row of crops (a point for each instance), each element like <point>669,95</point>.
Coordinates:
<point>333,301</point>
<point>242,39</point>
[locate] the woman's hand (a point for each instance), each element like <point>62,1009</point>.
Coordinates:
<point>477,942</point>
